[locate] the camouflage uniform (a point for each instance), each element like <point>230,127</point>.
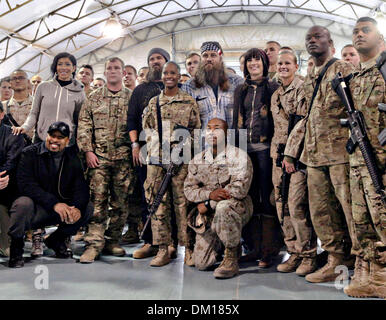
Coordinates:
<point>297,228</point>
<point>20,111</point>
<point>231,170</point>
<point>326,158</point>
<point>369,214</point>
<point>102,130</point>
<point>183,110</point>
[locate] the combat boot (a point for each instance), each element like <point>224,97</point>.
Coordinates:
<point>307,266</point>
<point>291,264</point>
<point>327,272</point>
<point>252,236</point>
<point>229,266</point>
<point>172,251</point>
<point>37,244</point>
<point>57,242</point>
<point>16,253</point>
<point>162,257</point>
<point>375,286</point>
<point>189,260</point>
<point>114,249</point>
<point>89,255</point>
<point>146,251</point>
<point>131,235</point>
<point>360,278</point>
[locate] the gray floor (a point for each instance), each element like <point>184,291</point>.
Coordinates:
<point>127,278</point>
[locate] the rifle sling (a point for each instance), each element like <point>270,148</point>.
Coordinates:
<point>319,80</point>
<point>159,122</point>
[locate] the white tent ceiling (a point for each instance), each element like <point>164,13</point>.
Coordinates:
<point>32,32</point>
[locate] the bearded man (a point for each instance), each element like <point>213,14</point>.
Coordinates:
<point>212,87</point>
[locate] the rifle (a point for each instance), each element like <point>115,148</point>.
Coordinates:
<point>381,65</point>
<point>358,136</point>
<point>171,170</point>
<point>285,177</point>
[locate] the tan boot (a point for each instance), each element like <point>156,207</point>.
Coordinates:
<point>162,257</point>
<point>378,280</point>
<point>114,249</point>
<point>229,267</point>
<point>146,251</point>
<point>89,255</point>
<point>290,265</point>
<point>172,251</point>
<point>326,273</point>
<point>307,266</point>
<point>189,260</point>
<point>374,287</point>
<point>360,278</point>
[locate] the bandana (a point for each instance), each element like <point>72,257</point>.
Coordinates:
<point>211,46</point>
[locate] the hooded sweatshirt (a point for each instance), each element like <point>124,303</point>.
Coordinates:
<point>53,103</point>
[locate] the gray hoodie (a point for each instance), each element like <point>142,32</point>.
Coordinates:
<point>53,103</point>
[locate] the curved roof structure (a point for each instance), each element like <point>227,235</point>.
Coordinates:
<point>32,32</point>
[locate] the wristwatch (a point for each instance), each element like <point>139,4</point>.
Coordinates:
<point>134,144</point>
<point>207,205</point>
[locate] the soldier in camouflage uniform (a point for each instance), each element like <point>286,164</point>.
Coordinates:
<point>176,108</point>
<point>369,213</point>
<point>102,135</point>
<point>326,159</point>
<point>299,236</point>
<point>218,182</point>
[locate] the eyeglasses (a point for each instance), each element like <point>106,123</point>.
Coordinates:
<point>21,78</point>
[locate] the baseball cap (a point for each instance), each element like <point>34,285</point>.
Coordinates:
<point>60,126</point>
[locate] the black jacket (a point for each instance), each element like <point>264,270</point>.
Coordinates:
<point>253,105</point>
<point>10,150</point>
<point>38,179</point>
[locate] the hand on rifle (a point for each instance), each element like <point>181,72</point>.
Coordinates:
<point>288,165</point>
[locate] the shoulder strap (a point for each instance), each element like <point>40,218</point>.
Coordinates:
<point>159,121</point>
<point>319,80</point>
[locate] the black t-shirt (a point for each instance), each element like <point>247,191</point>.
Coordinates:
<point>139,101</point>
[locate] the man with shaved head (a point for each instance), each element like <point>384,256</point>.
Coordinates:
<point>218,182</point>
<point>325,156</point>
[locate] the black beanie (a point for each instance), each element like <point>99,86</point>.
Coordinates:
<point>160,51</point>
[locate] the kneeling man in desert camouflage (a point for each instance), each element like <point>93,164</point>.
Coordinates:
<point>218,182</point>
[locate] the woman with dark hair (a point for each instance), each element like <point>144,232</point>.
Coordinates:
<point>252,112</point>
<point>58,99</point>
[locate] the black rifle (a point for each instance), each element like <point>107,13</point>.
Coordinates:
<point>286,177</point>
<point>171,170</point>
<point>358,136</point>
<point>381,65</point>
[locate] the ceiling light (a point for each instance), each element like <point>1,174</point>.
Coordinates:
<point>113,27</point>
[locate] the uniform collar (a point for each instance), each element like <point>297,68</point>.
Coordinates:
<point>13,102</point>
<point>177,97</point>
<point>368,64</point>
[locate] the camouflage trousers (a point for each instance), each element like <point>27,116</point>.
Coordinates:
<point>299,235</point>
<point>110,185</point>
<point>161,222</point>
<point>223,229</point>
<point>369,215</point>
<point>330,208</point>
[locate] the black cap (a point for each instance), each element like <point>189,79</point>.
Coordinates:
<point>60,126</point>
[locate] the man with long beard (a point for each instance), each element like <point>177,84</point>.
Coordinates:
<point>140,98</point>
<point>212,87</point>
